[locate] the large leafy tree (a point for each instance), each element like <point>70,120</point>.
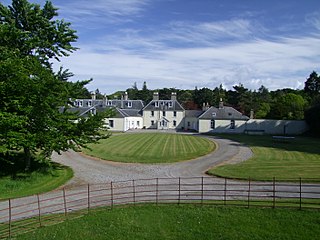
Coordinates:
<point>34,100</point>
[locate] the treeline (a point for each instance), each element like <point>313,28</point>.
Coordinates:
<point>279,104</point>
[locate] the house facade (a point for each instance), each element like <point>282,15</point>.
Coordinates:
<point>160,114</point>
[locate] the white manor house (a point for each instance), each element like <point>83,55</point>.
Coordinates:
<point>169,114</point>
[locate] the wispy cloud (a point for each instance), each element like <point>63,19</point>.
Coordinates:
<point>94,14</point>
<point>275,64</point>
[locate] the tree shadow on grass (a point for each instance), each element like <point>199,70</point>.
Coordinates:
<point>298,143</point>
<point>13,165</point>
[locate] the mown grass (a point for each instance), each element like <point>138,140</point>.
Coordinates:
<point>38,181</point>
<point>282,160</point>
<point>185,222</point>
<point>151,148</point>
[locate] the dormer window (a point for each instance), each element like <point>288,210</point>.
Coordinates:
<point>130,104</point>
<point>156,104</point>
<point>109,103</point>
<point>214,114</point>
<point>89,103</point>
<point>170,104</point>
<point>80,103</point>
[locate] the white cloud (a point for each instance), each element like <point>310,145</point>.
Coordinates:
<point>94,14</point>
<point>277,64</point>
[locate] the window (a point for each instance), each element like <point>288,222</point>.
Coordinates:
<point>164,113</point>
<point>174,123</point>
<point>232,124</point>
<point>93,111</point>
<point>138,123</point>
<point>152,122</point>
<point>111,123</point>
<point>109,103</point>
<point>170,104</point>
<point>130,104</point>
<point>152,113</point>
<point>80,103</point>
<point>90,103</point>
<point>156,104</point>
<point>213,124</point>
<point>174,113</point>
<point>214,114</point>
<point>189,124</point>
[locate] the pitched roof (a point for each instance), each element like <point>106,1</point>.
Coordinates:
<point>193,113</point>
<point>123,104</point>
<point>228,113</point>
<point>161,105</point>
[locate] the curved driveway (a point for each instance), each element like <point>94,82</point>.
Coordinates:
<point>90,170</point>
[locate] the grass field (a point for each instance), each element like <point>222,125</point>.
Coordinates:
<point>151,148</point>
<point>291,160</point>
<point>25,184</point>
<point>186,222</point>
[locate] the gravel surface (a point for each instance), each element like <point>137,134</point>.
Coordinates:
<point>91,170</point>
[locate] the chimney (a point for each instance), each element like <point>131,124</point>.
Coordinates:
<point>122,105</point>
<point>173,96</point>
<point>155,96</point>
<point>204,107</point>
<point>104,101</point>
<point>125,96</point>
<point>251,114</point>
<point>93,95</point>
<point>220,103</point>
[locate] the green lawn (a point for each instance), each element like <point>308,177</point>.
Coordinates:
<point>291,160</point>
<point>151,148</point>
<point>185,222</point>
<point>25,184</point>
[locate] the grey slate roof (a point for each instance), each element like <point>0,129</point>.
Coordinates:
<point>227,113</point>
<point>193,113</point>
<point>123,104</point>
<point>160,105</point>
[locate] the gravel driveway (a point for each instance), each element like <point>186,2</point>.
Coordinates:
<point>90,170</point>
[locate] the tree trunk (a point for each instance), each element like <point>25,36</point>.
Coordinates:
<point>27,155</point>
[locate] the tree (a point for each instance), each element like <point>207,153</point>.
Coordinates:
<point>34,100</point>
<point>288,106</point>
<point>312,116</point>
<point>312,88</point>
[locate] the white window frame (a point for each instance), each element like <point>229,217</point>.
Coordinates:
<point>156,104</point>
<point>170,104</point>
<point>129,104</point>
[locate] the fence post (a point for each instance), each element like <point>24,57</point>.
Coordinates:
<point>274,193</point>
<point>179,190</point>
<point>65,203</point>
<point>300,193</point>
<point>88,197</point>
<point>157,190</point>
<point>134,192</point>
<point>201,190</point>
<point>111,189</point>
<point>39,210</point>
<point>10,216</point>
<point>225,192</point>
<point>249,189</point>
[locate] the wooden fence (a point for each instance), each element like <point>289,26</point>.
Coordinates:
<point>28,213</point>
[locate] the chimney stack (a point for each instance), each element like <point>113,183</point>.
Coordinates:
<point>155,96</point>
<point>126,96</point>
<point>173,96</point>
<point>93,95</point>
<point>104,101</point>
<point>251,114</point>
<point>221,103</point>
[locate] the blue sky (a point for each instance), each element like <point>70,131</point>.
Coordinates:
<point>188,43</point>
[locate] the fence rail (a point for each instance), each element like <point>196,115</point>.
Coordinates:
<point>25,214</point>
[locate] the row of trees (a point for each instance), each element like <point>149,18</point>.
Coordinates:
<point>33,119</point>
<point>279,104</point>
